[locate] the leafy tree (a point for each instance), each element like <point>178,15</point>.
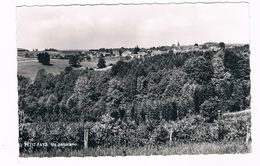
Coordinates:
<point>204,46</point>
<point>46,59</point>
<point>23,83</point>
<point>74,61</point>
<point>200,69</point>
<point>136,49</point>
<point>209,109</point>
<point>222,45</point>
<point>51,101</point>
<point>88,58</point>
<point>230,60</point>
<point>237,64</point>
<point>39,57</point>
<point>121,50</point>
<point>72,101</point>
<point>169,111</point>
<point>161,135</point>
<point>68,69</point>
<point>202,93</point>
<point>101,62</point>
<point>196,45</point>
<point>40,76</point>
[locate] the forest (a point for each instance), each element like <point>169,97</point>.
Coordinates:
<point>164,100</point>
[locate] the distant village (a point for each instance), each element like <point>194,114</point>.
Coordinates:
<point>127,53</point>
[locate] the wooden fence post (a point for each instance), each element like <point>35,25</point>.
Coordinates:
<point>86,128</point>
<point>247,134</point>
<point>219,114</point>
<point>171,130</point>
<point>85,138</point>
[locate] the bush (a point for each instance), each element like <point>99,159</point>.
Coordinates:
<point>68,69</point>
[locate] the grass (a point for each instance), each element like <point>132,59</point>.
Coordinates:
<point>178,149</point>
<point>29,67</point>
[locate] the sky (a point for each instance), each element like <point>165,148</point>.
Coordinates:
<point>114,26</point>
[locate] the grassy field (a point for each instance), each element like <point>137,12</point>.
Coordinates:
<point>179,149</point>
<point>29,67</point>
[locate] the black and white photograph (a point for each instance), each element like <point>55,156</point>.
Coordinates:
<point>133,79</point>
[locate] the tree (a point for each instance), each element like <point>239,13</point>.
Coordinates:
<point>39,57</point>
<point>72,101</point>
<point>40,76</point>
<point>51,101</point>
<point>209,109</point>
<point>238,65</point>
<point>204,47</point>
<point>178,45</point>
<point>68,69</point>
<point>46,59</point>
<point>200,69</point>
<point>88,58</point>
<point>222,45</point>
<point>196,45</point>
<point>202,93</point>
<point>136,49</point>
<point>74,61</point>
<point>169,111</point>
<point>121,50</point>
<point>101,62</point>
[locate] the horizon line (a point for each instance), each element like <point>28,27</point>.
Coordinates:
<point>64,49</point>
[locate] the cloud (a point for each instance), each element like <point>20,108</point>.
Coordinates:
<point>85,27</point>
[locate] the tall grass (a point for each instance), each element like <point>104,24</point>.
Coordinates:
<point>178,149</point>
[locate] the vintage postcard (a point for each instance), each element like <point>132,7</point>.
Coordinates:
<point>133,79</point>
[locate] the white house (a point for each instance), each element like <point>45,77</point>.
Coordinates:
<point>141,54</point>
<point>156,52</point>
<point>126,53</point>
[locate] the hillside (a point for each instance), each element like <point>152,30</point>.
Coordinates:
<point>188,97</point>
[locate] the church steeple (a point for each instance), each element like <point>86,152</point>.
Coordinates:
<point>178,44</point>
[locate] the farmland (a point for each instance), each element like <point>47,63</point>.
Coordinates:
<point>29,67</point>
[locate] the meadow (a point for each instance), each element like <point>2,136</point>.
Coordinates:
<point>28,67</point>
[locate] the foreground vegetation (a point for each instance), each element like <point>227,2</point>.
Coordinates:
<point>178,149</point>
<point>183,99</point>
<point>190,136</point>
